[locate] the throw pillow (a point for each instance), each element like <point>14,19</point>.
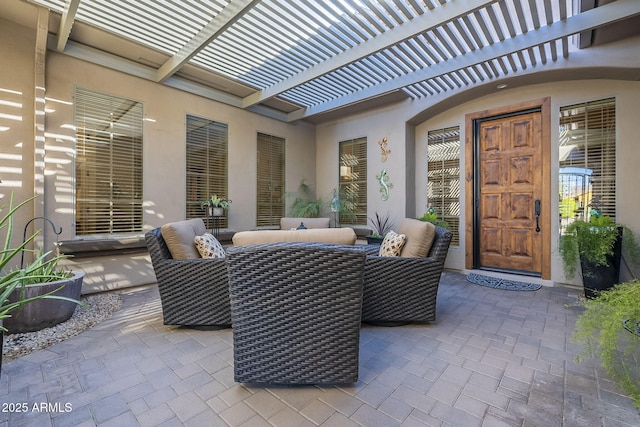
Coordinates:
<point>208,246</point>
<point>392,244</point>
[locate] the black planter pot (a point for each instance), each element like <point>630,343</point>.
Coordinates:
<point>44,313</point>
<point>596,278</point>
<point>374,240</point>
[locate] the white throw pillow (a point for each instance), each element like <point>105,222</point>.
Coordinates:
<point>392,244</point>
<point>208,246</point>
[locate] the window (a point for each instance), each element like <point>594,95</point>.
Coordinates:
<point>443,177</point>
<point>207,143</point>
<point>587,172</point>
<point>271,166</point>
<point>353,179</point>
<point>108,163</point>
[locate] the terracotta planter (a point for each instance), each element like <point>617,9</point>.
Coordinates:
<point>47,312</point>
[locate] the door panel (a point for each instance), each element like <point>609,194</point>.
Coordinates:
<point>510,172</point>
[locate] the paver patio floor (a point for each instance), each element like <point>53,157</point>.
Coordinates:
<point>492,358</point>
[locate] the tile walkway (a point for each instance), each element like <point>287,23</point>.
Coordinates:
<point>493,358</point>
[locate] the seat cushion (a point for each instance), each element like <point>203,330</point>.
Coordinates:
<point>342,236</point>
<point>208,246</point>
<point>392,244</point>
<point>419,237</point>
<point>179,237</point>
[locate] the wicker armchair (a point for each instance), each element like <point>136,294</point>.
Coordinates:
<point>295,309</point>
<point>401,290</point>
<point>193,292</point>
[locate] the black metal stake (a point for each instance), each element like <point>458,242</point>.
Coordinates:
<point>24,235</point>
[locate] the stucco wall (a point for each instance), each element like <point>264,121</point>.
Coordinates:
<point>561,94</point>
<point>312,152</point>
<point>17,53</point>
<point>164,177</point>
<point>387,122</point>
<point>391,121</point>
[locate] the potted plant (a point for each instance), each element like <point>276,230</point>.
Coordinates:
<point>597,244</point>
<point>216,205</point>
<point>381,226</point>
<point>609,328</point>
<point>343,206</point>
<point>305,205</point>
<point>23,289</point>
<point>431,216</point>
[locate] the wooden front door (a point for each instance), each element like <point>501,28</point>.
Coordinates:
<point>510,193</point>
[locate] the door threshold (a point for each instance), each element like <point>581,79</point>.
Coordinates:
<point>511,276</point>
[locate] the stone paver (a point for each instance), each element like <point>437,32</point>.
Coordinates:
<point>492,359</point>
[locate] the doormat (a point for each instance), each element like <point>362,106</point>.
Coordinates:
<point>498,283</point>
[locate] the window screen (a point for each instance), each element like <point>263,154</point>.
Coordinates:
<point>587,175</point>
<point>353,179</point>
<point>443,177</point>
<point>108,163</point>
<point>207,153</point>
<point>271,191</point>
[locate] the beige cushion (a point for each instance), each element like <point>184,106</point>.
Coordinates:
<point>287,223</point>
<point>392,244</point>
<point>419,237</point>
<point>344,236</point>
<point>208,246</point>
<point>179,237</point>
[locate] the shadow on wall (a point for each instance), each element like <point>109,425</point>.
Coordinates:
<point>106,273</point>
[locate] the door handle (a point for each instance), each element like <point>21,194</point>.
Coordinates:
<point>537,212</point>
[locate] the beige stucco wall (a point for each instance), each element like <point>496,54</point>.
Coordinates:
<point>164,177</point>
<point>561,94</point>
<point>391,121</point>
<point>165,111</point>
<point>312,152</point>
<point>16,107</point>
<point>386,122</point>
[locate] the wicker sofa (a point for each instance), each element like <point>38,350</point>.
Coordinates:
<point>295,309</point>
<point>193,291</point>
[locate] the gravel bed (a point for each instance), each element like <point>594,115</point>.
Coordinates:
<point>99,307</point>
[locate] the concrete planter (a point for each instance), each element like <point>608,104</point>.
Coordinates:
<point>47,312</point>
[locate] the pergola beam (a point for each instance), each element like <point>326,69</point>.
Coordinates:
<point>66,22</point>
<point>420,24</point>
<point>223,20</point>
<point>588,20</point>
<point>95,56</point>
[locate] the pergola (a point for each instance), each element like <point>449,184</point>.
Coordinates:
<point>305,59</point>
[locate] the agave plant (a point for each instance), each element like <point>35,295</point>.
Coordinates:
<point>42,269</point>
<point>381,224</point>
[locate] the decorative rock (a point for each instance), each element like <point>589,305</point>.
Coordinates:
<point>99,307</point>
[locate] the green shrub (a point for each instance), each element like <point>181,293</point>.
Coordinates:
<point>604,330</point>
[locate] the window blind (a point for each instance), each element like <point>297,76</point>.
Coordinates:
<point>587,160</point>
<point>108,164</point>
<point>443,177</point>
<point>206,159</point>
<point>270,184</point>
<point>353,178</point>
